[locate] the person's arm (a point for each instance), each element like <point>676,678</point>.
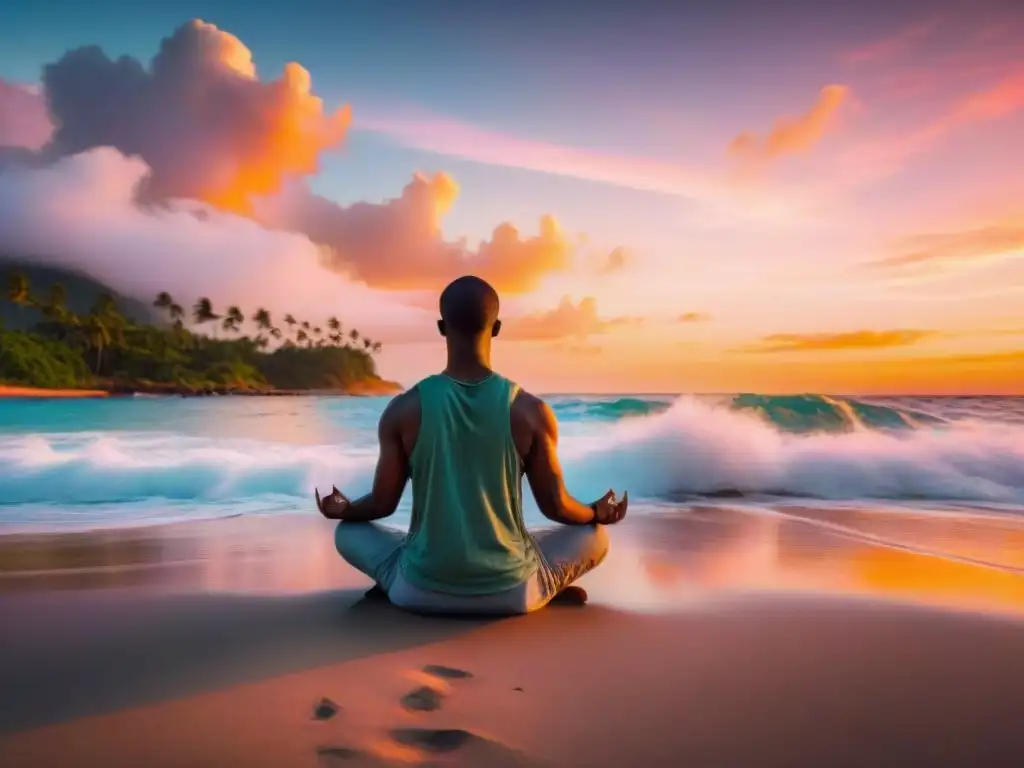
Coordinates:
<point>544,473</point>
<point>389,479</point>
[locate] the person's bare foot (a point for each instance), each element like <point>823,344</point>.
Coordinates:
<point>571,595</point>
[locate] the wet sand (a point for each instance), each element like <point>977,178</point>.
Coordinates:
<point>714,637</point>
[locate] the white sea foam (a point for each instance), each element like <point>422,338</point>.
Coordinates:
<point>692,448</point>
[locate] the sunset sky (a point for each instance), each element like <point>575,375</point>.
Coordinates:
<point>794,196</point>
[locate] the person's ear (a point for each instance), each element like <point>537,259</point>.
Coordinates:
<point>496,328</point>
<point>440,327</point>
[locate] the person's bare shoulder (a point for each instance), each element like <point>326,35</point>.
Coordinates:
<point>530,416</point>
<point>403,405</point>
<point>528,407</point>
<point>401,417</point>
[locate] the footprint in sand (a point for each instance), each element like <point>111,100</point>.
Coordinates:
<point>448,673</point>
<point>435,740</point>
<point>472,749</point>
<point>337,753</point>
<point>428,697</point>
<point>425,699</point>
<point>325,709</point>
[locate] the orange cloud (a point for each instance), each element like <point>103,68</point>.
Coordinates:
<point>206,125</point>
<point>24,122</point>
<point>210,130</point>
<point>830,342</point>
<point>566,321</point>
<point>398,244</point>
<point>792,135</point>
<point>894,45</point>
<point>956,248</point>
<point>693,317</point>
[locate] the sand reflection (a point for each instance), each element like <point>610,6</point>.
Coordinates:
<point>658,561</point>
<point>960,562</point>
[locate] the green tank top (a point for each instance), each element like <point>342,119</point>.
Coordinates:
<point>467,535</point>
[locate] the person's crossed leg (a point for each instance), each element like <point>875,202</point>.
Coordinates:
<point>566,554</point>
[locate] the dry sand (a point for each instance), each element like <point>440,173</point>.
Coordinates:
<point>263,654</point>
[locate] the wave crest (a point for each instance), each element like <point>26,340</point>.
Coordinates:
<point>696,448</point>
<point>685,448</point>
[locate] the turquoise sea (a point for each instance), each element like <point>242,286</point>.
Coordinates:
<point>70,464</point>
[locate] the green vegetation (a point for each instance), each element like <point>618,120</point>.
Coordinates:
<point>102,347</point>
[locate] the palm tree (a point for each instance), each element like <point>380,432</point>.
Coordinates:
<point>203,313</point>
<point>301,336</point>
<point>19,292</point>
<point>275,332</point>
<point>163,300</point>
<point>97,335</point>
<point>104,326</point>
<point>57,306</point>
<point>55,310</point>
<point>335,338</point>
<point>233,319</point>
<point>176,314</point>
<point>317,332</point>
<point>367,343</point>
<point>262,319</point>
<point>334,324</point>
<point>290,321</point>
<point>354,335</point>
<point>105,305</point>
<point>305,325</point>
<point>376,348</point>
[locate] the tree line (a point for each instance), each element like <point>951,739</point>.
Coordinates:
<point>103,346</point>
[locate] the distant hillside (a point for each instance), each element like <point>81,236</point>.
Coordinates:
<point>82,293</point>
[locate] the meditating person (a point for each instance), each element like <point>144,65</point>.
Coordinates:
<point>465,437</point>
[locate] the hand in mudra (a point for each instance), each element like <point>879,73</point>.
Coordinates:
<point>608,510</point>
<point>333,505</point>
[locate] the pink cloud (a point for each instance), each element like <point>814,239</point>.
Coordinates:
<point>81,213</point>
<point>882,157</point>
<point>469,142</point>
<point>397,244</point>
<point>24,121</point>
<point>719,193</point>
<point>894,45</point>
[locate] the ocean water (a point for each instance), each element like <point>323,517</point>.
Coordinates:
<point>69,464</point>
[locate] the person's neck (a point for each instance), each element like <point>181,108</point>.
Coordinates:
<point>469,361</point>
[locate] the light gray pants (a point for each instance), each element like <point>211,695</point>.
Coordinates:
<point>567,552</point>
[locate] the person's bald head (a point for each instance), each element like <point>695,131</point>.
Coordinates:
<point>469,309</point>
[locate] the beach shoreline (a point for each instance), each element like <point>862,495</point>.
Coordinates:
<point>377,388</point>
<point>712,637</point>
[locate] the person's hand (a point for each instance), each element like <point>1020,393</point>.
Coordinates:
<point>608,510</point>
<point>333,505</point>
